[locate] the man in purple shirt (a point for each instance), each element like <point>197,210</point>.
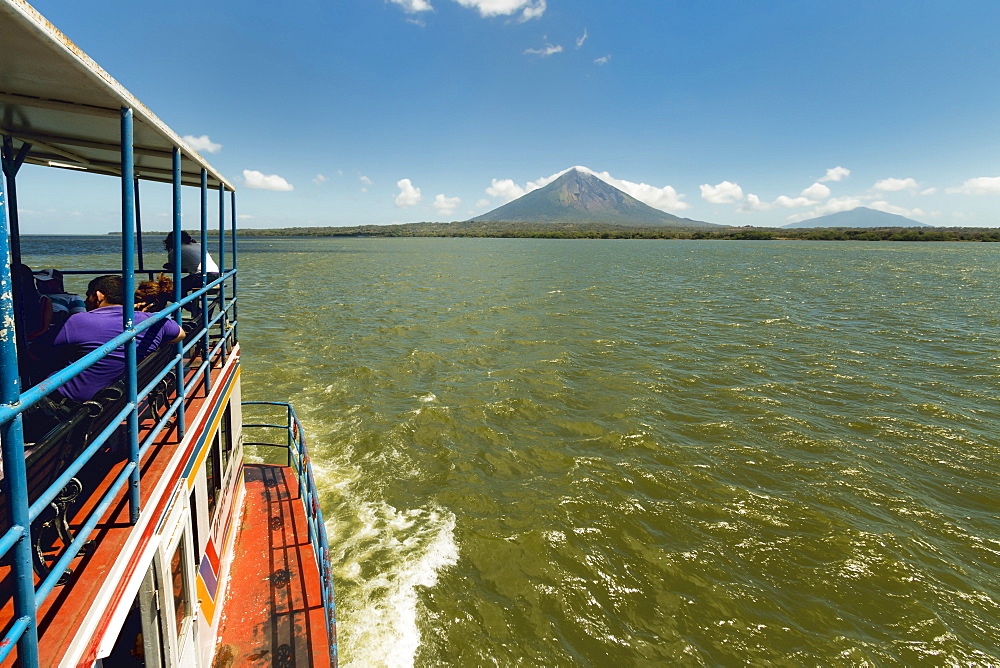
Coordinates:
<point>84,332</point>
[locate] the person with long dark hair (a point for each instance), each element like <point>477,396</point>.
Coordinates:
<point>35,312</point>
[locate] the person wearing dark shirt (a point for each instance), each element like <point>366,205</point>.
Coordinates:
<point>190,262</point>
<point>84,332</point>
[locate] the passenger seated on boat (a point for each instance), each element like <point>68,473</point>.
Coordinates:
<point>33,317</point>
<point>102,322</point>
<point>153,296</point>
<point>50,284</point>
<point>64,304</point>
<point>35,312</point>
<point>190,263</point>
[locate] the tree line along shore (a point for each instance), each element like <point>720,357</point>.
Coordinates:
<point>599,231</point>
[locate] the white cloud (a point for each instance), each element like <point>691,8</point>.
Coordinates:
<point>665,198</point>
<point>723,193</point>
<point>530,9</point>
<point>533,11</point>
<point>837,204</point>
<point>836,174</point>
<point>832,205</point>
<point>786,202</point>
<point>603,60</point>
<point>482,204</point>
<point>413,6</point>
<point>893,185</point>
<point>981,185</point>
<point>255,179</point>
<point>202,143</point>
<point>548,50</point>
<point>408,195</point>
<point>446,206</point>
<point>581,39</point>
<point>816,191</point>
<point>319,178</point>
<point>928,191</point>
<point>898,210</point>
<point>754,203</point>
<point>366,181</point>
<point>505,189</point>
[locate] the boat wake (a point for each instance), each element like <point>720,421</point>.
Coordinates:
<point>381,607</point>
<point>383,557</point>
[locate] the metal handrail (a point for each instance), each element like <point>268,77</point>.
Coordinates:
<point>298,459</point>
<point>32,395</point>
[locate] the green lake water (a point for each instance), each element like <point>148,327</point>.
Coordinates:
<point>644,453</point>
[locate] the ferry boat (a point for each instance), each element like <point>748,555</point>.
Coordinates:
<point>133,529</point>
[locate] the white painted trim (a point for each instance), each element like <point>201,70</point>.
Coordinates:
<point>131,589</point>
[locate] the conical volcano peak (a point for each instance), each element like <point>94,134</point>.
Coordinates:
<point>581,174</point>
<point>581,190</point>
<point>579,196</point>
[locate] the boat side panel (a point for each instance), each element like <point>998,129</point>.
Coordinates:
<point>89,637</point>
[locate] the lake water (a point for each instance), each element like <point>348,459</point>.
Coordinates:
<point>540,452</point>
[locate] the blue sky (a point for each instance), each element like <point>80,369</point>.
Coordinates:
<point>382,111</point>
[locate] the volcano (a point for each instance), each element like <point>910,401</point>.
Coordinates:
<point>581,197</point>
<point>861,216</point>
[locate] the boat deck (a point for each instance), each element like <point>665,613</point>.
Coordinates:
<point>281,624</point>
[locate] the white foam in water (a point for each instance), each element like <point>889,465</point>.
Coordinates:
<point>381,618</point>
<point>381,557</point>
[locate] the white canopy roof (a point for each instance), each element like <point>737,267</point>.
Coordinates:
<point>54,97</point>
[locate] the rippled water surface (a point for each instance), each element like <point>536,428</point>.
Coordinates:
<point>644,453</point>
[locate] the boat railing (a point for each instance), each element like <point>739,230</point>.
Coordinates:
<point>294,442</point>
<point>203,349</point>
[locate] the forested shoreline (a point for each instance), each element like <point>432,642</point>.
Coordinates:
<point>598,231</point>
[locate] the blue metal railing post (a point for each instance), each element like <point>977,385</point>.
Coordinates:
<point>289,442</point>
<point>138,228</point>
<point>233,316</point>
<point>204,269</point>
<point>222,264</point>
<point>11,165</point>
<point>15,482</point>
<point>128,308</point>
<point>178,295</point>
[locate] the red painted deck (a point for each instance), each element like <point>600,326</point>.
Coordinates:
<point>63,612</point>
<point>281,624</point>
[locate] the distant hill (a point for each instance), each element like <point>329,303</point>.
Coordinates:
<point>580,197</point>
<point>859,217</point>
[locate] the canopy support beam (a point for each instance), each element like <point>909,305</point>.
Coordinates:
<point>11,165</point>
<point>15,481</point>
<point>178,294</point>
<point>128,307</point>
<point>203,302</point>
